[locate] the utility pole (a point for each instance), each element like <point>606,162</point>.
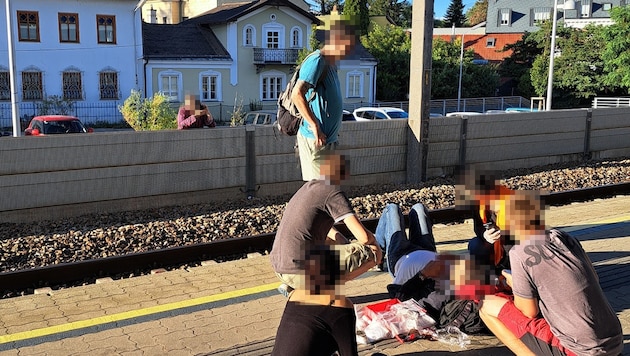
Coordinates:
<point>419,90</point>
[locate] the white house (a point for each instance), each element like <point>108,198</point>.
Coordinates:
<point>242,52</point>
<point>84,51</point>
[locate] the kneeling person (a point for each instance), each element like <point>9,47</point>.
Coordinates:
<point>308,220</point>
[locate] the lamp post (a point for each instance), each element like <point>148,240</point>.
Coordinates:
<point>11,48</point>
<point>552,50</point>
<point>461,64</point>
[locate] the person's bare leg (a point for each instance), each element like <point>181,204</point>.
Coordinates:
<point>489,313</point>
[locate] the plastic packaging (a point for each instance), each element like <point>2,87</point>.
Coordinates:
<point>389,319</point>
<point>453,336</point>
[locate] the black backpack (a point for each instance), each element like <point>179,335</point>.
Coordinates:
<point>289,118</point>
<point>464,314</point>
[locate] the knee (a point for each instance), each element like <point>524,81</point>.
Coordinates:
<point>420,209</point>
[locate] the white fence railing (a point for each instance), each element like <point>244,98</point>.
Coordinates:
<point>611,102</point>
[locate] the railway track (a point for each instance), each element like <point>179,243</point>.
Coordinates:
<point>82,272</point>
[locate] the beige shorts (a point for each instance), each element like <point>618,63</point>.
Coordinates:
<point>351,257</point>
<point>311,156</point>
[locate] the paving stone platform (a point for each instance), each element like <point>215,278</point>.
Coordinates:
<point>232,308</point>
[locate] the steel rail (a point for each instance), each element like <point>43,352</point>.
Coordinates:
<point>67,273</point>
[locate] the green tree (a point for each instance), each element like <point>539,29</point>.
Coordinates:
<point>518,65</point>
<point>148,114</point>
<point>358,9</point>
<point>455,14</point>
<point>398,12</point>
<point>477,80</point>
<point>477,13</point>
<point>580,69</point>
<point>391,46</point>
<point>616,54</point>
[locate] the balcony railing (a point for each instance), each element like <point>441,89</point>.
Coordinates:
<point>275,56</point>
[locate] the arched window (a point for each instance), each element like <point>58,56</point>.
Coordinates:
<point>296,37</point>
<point>249,36</point>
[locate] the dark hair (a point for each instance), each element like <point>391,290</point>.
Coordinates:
<point>328,272</point>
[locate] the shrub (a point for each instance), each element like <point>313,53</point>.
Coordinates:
<point>237,116</point>
<point>148,114</point>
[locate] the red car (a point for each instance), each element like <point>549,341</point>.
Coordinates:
<point>55,124</point>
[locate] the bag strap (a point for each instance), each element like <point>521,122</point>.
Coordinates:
<point>457,322</point>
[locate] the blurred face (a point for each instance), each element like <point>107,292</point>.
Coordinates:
<point>192,104</point>
<point>340,41</point>
<point>334,169</point>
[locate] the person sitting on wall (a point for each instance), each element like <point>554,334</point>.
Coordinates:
<point>193,114</point>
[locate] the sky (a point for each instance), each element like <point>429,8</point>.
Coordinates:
<point>440,6</point>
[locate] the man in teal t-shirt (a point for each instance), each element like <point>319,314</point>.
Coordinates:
<point>322,115</point>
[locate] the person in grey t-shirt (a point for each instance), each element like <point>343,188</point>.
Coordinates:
<point>558,307</point>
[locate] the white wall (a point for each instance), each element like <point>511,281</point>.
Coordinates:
<point>52,57</point>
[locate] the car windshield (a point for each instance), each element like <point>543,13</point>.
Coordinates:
<point>249,119</point>
<point>62,127</point>
<point>398,115</point>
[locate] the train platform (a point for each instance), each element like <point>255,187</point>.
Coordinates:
<point>233,308</point>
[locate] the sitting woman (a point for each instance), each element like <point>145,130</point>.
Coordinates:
<point>318,320</point>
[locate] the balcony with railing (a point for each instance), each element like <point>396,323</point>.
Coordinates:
<point>275,55</point>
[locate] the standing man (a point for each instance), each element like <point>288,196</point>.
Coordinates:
<point>323,113</point>
<point>559,307</point>
<point>308,220</point>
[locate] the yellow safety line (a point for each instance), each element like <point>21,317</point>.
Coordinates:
<point>134,313</point>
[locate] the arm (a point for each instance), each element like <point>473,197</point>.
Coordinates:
<point>527,306</point>
<point>363,235</point>
<point>298,98</point>
<point>336,237</point>
<point>184,122</point>
<point>209,120</point>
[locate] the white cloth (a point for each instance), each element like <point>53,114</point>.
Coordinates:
<point>410,264</point>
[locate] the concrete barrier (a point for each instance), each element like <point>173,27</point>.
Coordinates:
<point>55,176</point>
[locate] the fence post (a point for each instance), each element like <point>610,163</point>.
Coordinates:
<point>250,161</point>
<point>462,142</point>
<point>586,155</point>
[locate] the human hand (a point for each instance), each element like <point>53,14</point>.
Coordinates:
<point>320,137</point>
<point>492,235</point>
<point>378,253</point>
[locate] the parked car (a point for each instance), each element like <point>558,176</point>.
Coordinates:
<point>347,116</point>
<point>513,110</point>
<point>260,117</point>
<point>463,113</point>
<point>384,113</point>
<point>55,124</point>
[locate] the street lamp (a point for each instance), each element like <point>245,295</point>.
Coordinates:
<point>461,63</point>
<point>552,50</point>
<point>568,5</point>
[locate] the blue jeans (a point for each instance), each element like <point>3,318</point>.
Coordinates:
<point>391,237</point>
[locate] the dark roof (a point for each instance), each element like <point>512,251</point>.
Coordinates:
<point>231,12</point>
<point>181,41</point>
<point>359,52</point>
